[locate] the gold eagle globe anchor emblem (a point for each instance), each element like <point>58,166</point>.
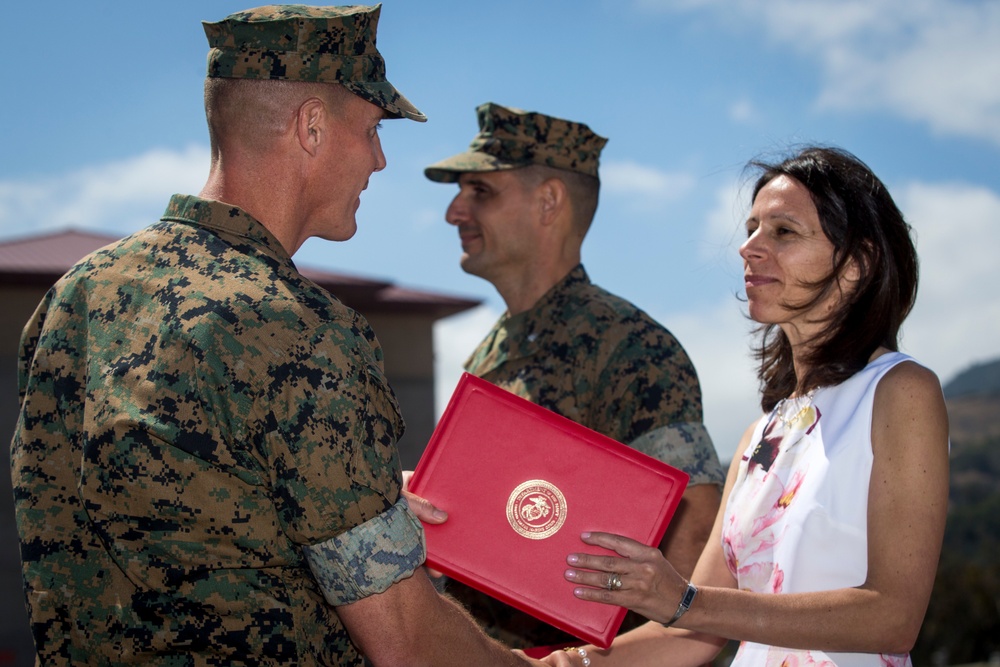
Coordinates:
<point>536,509</point>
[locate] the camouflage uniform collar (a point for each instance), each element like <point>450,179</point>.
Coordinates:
<point>524,328</point>
<point>568,284</point>
<point>517,336</point>
<point>225,218</point>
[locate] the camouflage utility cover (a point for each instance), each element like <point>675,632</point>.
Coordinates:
<point>305,43</point>
<point>511,138</point>
<point>196,419</point>
<point>595,358</point>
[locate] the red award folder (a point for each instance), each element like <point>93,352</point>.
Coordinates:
<point>520,483</point>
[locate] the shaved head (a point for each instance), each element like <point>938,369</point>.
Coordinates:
<point>252,113</point>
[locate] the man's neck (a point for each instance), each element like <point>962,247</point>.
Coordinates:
<point>259,198</point>
<point>522,293</point>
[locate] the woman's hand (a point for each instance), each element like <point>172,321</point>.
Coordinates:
<point>544,662</point>
<point>645,583</point>
<point>559,659</point>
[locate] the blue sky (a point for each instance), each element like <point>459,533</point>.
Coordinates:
<point>103,120</point>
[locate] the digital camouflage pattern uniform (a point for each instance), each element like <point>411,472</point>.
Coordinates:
<point>195,415</point>
<point>204,464</point>
<point>595,358</point>
<point>580,351</point>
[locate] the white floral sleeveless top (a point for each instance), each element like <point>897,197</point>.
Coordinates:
<point>796,520</point>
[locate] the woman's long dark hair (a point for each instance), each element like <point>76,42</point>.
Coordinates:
<point>865,227</point>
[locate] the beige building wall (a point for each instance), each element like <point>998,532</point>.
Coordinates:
<point>408,345</point>
<point>16,648</point>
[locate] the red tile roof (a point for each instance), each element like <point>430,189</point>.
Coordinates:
<point>39,260</point>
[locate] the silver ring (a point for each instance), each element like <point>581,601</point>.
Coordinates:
<point>614,582</point>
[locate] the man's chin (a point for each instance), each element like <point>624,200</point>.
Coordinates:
<point>472,267</point>
<point>343,232</point>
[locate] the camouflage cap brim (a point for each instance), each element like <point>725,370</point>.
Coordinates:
<point>386,96</point>
<point>449,169</point>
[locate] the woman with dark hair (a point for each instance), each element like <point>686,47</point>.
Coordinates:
<point>825,547</point>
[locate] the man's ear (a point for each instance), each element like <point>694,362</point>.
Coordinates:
<point>310,124</point>
<point>553,197</point>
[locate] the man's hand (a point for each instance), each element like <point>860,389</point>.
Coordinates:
<point>425,511</point>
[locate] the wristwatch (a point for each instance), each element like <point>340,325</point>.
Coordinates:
<point>684,605</point>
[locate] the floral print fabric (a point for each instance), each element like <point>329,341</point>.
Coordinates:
<point>796,519</point>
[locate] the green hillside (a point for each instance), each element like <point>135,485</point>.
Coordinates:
<point>963,621</point>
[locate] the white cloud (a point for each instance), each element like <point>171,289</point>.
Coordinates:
<point>646,188</point>
<point>956,321</point>
<point>930,61</point>
<point>717,339</point>
<point>454,340</point>
<point>724,224</point>
<point>941,67</point>
<point>119,196</point>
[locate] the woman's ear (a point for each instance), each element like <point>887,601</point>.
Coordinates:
<point>851,273</point>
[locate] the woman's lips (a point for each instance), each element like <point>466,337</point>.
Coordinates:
<point>756,281</point>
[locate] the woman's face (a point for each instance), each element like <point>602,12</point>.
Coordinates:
<point>786,250</point>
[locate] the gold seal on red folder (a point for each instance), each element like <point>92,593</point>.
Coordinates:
<point>536,509</point>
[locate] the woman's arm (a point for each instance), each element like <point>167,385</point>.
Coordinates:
<point>907,503</point>
<point>649,643</point>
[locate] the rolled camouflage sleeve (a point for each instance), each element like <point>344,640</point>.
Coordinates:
<point>687,447</point>
<point>369,558</point>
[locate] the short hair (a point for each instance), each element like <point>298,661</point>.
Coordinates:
<point>252,112</point>
<point>866,228</point>
<point>583,189</point>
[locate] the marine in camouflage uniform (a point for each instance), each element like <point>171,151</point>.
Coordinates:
<point>578,350</point>
<point>204,464</point>
<point>195,412</point>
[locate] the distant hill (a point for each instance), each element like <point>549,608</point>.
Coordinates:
<point>963,616</point>
<point>973,398</point>
<point>979,380</point>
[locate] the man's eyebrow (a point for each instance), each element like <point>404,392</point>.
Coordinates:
<point>475,180</point>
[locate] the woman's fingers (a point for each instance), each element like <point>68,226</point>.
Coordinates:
<point>610,572</point>
<point>629,550</point>
<point>620,544</point>
<point>638,577</point>
<point>601,580</point>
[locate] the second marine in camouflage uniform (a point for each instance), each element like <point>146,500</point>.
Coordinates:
<point>595,358</point>
<point>577,350</point>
